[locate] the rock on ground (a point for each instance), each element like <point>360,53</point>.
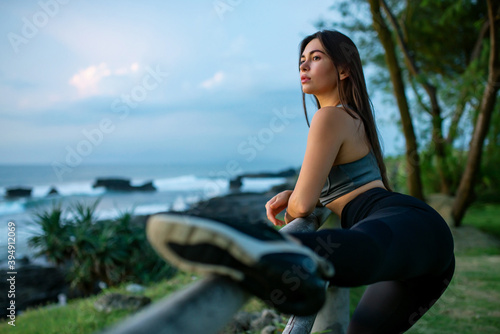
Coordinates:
<point>117,301</point>
<point>264,321</point>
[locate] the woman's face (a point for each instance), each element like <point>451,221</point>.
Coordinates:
<point>318,75</point>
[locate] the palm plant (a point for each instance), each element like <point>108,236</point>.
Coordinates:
<point>111,251</point>
<point>54,239</point>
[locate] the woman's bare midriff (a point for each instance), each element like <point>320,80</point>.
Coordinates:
<point>338,204</point>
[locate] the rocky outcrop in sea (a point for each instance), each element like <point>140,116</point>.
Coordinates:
<point>118,184</point>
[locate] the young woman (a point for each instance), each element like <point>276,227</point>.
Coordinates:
<point>394,243</point>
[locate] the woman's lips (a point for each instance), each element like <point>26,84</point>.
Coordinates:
<point>304,79</point>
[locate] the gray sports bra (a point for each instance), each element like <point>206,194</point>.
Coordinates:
<point>343,179</point>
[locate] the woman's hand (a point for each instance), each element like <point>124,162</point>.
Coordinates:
<point>277,204</point>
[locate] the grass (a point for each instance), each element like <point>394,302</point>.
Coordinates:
<point>469,306</point>
<point>80,316</point>
<point>484,216</point>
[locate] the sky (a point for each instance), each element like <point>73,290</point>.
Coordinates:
<point>154,82</point>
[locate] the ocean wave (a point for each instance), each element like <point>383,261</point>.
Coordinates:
<point>259,184</point>
<point>190,183</point>
<point>187,190</point>
<point>143,209</point>
<point>9,208</point>
<point>185,183</point>
<point>147,209</point>
<point>65,189</point>
<point>78,188</point>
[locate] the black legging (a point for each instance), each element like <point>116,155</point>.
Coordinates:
<point>397,244</point>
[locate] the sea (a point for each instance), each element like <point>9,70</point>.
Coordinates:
<point>177,188</point>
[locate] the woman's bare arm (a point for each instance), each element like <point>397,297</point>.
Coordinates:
<point>329,128</point>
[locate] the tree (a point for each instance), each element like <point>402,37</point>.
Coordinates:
<point>466,187</point>
<point>441,44</point>
<point>414,181</point>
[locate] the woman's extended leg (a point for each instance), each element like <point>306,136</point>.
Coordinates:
<point>405,253</point>
<point>409,244</point>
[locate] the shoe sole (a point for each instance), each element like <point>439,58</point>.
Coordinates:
<point>163,230</point>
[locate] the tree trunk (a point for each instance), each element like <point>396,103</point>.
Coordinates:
<point>440,148</point>
<point>466,187</point>
<point>414,181</point>
<point>437,119</point>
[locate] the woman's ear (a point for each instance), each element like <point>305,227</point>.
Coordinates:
<point>343,73</point>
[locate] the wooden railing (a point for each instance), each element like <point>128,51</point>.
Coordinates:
<point>209,304</point>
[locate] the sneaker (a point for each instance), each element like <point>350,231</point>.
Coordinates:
<point>269,264</point>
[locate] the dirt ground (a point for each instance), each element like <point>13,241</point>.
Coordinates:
<point>468,237</point>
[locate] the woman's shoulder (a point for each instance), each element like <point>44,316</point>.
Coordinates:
<point>338,122</point>
<point>335,114</point>
<point>331,122</point>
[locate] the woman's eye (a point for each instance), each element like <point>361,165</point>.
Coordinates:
<point>316,58</point>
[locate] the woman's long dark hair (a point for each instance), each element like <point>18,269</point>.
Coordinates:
<point>352,90</point>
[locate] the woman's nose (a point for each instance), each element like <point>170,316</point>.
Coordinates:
<point>303,67</point>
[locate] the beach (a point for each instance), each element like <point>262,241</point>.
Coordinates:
<point>139,191</point>
<point>176,188</point>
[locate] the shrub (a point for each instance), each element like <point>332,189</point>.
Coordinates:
<point>54,242</point>
<point>111,251</point>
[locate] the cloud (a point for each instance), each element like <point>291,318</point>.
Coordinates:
<point>127,70</point>
<point>214,81</point>
<point>87,80</point>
